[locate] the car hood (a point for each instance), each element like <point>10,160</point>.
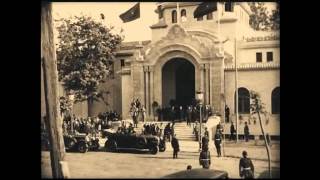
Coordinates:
<point>198,173</point>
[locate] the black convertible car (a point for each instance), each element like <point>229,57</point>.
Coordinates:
<point>120,141</point>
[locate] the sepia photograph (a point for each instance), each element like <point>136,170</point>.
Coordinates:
<point>162,90</point>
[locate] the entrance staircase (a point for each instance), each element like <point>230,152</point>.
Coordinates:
<point>184,132</point>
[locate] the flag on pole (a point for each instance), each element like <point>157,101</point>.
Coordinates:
<point>132,14</point>
<point>205,8</point>
<point>102,16</point>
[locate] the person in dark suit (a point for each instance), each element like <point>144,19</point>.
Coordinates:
<point>232,132</point>
<point>246,132</point>
<point>205,143</point>
<point>175,146</point>
<point>205,159</point>
<point>217,142</point>
<point>227,113</point>
<point>246,167</point>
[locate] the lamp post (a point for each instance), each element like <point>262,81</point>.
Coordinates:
<point>200,98</point>
<point>71,98</point>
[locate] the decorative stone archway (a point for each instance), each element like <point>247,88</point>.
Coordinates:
<point>146,69</point>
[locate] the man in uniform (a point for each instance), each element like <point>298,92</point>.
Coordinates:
<point>246,132</point>
<point>175,146</point>
<point>205,159</point>
<point>246,168</point>
<point>217,142</point>
<point>205,143</point>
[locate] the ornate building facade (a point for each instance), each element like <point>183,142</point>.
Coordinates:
<point>185,55</point>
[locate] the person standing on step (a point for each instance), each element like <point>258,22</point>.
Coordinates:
<point>175,146</point>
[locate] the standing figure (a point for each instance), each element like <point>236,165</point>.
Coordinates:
<point>206,132</point>
<point>205,159</point>
<point>246,167</point>
<point>205,143</point>
<point>227,113</point>
<point>232,132</point>
<point>189,112</point>
<point>175,146</point>
<point>181,113</point>
<point>217,143</point>
<point>143,112</point>
<point>246,132</point>
<point>172,114</point>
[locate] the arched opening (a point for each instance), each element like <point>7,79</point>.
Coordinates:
<point>183,15</point>
<point>174,16</point>
<point>178,82</point>
<point>275,101</point>
<point>243,101</point>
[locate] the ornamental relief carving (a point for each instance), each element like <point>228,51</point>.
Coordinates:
<point>179,37</point>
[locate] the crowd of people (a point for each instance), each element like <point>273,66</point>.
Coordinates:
<point>184,113</point>
<point>92,125</point>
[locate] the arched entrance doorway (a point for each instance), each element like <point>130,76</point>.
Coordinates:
<point>178,82</point>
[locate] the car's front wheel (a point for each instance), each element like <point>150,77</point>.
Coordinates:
<point>83,147</point>
<point>154,150</point>
<point>110,145</point>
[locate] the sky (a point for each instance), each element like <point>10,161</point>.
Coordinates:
<point>137,30</point>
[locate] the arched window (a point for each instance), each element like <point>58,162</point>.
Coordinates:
<point>228,7</point>
<point>174,16</point>
<point>183,15</point>
<point>243,101</point>
<point>275,100</point>
<point>209,16</point>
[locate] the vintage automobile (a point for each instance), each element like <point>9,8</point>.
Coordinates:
<point>198,173</point>
<point>81,142</point>
<point>119,141</point>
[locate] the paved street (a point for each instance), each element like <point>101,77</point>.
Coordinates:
<point>143,165</point>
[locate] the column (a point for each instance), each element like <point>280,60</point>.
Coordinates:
<point>146,88</point>
<point>151,71</point>
<point>201,77</point>
<point>207,83</point>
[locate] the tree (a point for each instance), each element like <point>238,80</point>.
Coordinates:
<point>261,19</point>
<point>85,55</point>
<point>257,107</point>
<point>65,104</point>
<point>275,18</point>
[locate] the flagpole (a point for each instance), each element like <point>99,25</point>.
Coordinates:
<point>219,30</point>
<point>236,87</point>
<point>178,13</point>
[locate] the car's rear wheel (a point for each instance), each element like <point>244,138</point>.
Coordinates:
<point>110,146</point>
<point>154,150</point>
<point>83,147</point>
<point>162,149</point>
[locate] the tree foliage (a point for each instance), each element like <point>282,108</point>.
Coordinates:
<point>262,19</point>
<point>65,104</point>
<point>85,54</point>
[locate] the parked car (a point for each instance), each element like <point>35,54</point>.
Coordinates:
<point>81,142</point>
<point>198,173</point>
<point>119,141</point>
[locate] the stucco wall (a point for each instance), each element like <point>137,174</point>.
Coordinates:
<point>261,81</point>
